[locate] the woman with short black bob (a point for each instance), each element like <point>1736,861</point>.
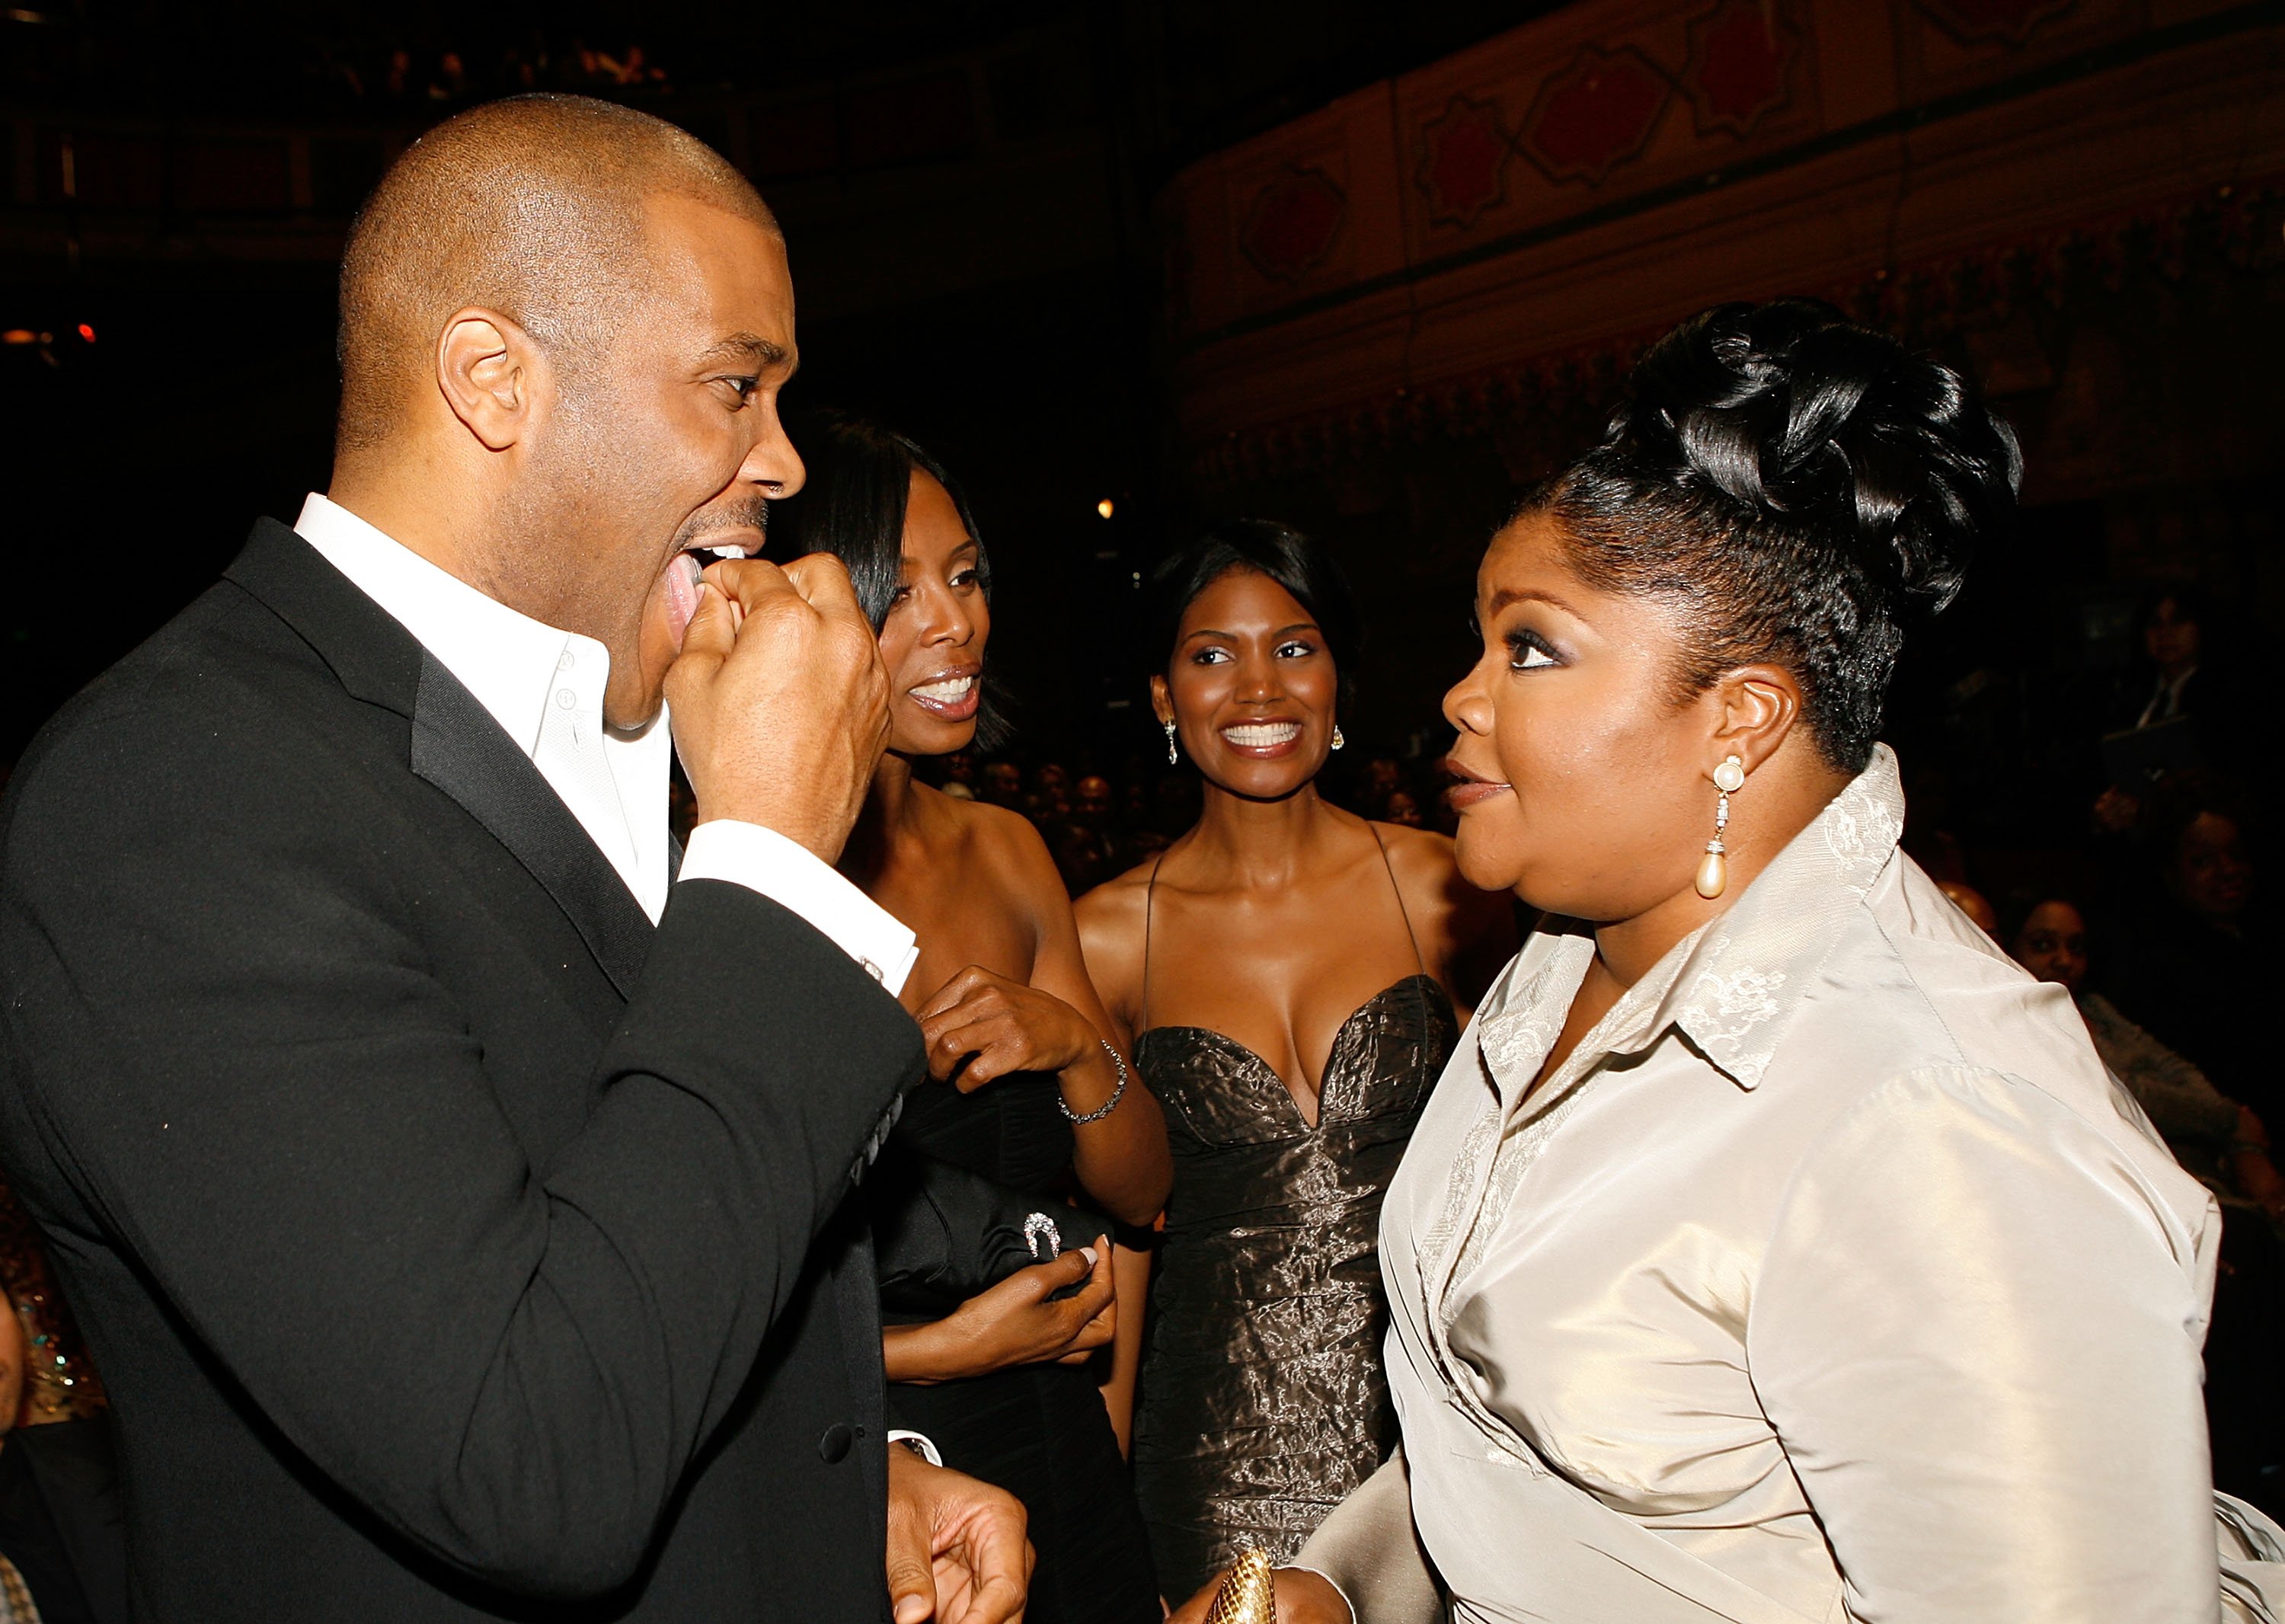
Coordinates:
<point>1773,1248</point>
<point>1030,1093</point>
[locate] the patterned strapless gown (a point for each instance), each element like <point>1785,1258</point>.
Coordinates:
<point>1263,1401</point>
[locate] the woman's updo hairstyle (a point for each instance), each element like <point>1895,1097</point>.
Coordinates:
<point>1299,565</point>
<point>851,504</point>
<point>1807,487</point>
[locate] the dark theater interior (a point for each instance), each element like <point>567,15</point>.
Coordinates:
<point>1138,271</point>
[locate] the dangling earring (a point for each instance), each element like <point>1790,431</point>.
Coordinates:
<point>1713,868</point>
<point>1338,740</point>
<point>1173,754</point>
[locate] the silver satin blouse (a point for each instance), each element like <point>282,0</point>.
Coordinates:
<point>1831,1278</point>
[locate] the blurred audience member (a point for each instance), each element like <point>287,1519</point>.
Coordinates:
<point>1403,810</point>
<point>2225,1144</point>
<point>1383,778</point>
<point>59,1383</point>
<point>1973,902</point>
<point>2200,959</point>
<point>1049,795</point>
<point>63,1543</point>
<point>2186,683</point>
<point>1003,785</point>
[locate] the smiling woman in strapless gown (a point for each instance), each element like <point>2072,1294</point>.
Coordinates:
<point>1284,966</point>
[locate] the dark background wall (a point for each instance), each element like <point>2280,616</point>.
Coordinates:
<point>964,186</point>
<point>984,203</point>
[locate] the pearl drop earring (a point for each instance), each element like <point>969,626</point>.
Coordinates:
<point>1173,754</point>
<point>1713,868</point>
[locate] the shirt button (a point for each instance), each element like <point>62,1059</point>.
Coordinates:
<point>565,699</point>
<point>834,1446</point>
<point>874,970</point>
<point>565,661</point>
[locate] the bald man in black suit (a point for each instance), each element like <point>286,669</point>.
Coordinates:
<point>450,1175</point>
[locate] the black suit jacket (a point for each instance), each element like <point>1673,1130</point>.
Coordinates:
<point>453,1244</point>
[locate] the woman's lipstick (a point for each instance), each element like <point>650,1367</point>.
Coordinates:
<point>950,696</point>
<point>1262,741</point>
<point>1471,789</point>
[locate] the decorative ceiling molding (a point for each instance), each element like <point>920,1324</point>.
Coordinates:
<point>1465,151</point>
<point>2229,227</point>
<point>1293,223</point>
<point>1594,113</point>
<point>1741,56</point>
<point>1974,21</point>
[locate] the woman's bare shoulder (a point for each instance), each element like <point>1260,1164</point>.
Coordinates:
<point>1006,845</point>
<point>1419,855</point>
<point>1117,902</point>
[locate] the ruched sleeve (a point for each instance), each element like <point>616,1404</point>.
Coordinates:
<point>1976,1331</point>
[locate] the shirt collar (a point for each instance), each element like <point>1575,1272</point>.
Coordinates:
<point>508,659</point>
<point>1731,985</point>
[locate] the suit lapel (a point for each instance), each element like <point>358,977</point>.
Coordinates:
<point>457,746</point>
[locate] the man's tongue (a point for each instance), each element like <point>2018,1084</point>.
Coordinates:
<point>681,583</point>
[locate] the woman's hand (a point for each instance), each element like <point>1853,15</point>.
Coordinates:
<point>1303,1598</point>
<point>1013,1323</point>
<point>1005,1025</point>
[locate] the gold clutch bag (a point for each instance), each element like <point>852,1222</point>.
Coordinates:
<point>1246,1596</point>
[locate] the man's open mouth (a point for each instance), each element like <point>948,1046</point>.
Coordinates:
<point>684,569</point>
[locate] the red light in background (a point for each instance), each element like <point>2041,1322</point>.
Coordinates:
<point>87,332</point>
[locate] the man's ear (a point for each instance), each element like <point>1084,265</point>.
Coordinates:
<point>1162,700</point>
<point>1755,709</point>
<point>492,375</point>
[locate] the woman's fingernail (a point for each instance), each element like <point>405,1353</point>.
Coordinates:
<point>1088,1253</point>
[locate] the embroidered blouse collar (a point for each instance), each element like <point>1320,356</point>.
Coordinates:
<point>1730,985</point>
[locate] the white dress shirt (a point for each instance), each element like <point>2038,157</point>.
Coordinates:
<point>545,687</point>
<point>1830,1278</point>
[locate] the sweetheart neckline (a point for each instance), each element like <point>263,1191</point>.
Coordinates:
<point>1275,1075</point>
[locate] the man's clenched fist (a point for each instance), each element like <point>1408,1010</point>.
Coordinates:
<point>780,701</point>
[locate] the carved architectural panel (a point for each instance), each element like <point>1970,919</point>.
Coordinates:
<point>2008,20</point>
<point>1741,57</point>
<point>1292,224</point>
<point>1945,46</point>
<point>1597,110</point>
<point>1464,154</point>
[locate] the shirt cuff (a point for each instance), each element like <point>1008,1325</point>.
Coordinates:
<point>920,1443</point>
<point>794,877</point>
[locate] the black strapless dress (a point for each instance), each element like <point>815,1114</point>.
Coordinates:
<point>1263,1399</point>
<point>1040,1432</point>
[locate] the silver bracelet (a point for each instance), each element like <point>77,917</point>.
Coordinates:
<point>1109,1105</point>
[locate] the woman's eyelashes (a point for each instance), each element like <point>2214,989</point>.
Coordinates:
<point>1526,650</point>
<point>1293,648</point>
